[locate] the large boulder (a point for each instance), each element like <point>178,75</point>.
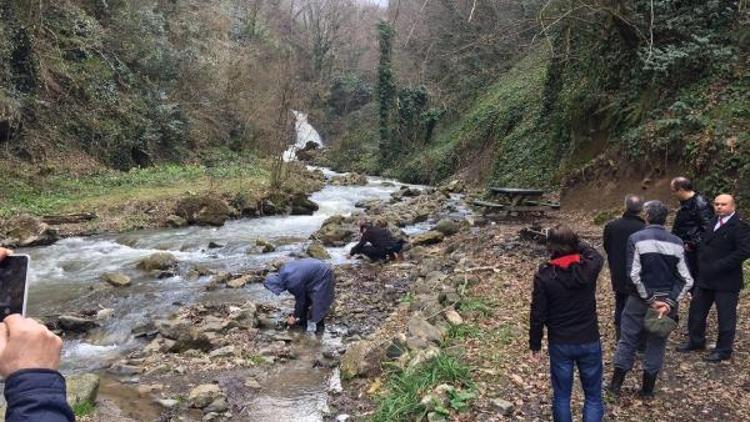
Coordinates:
<point>184,335</point>
<point>25,231</point>
<point>76,324</point>
<point>349,179</point>
<point>203,210</point>
<point>264,245</point>
<point>336,231</point>
<point>419,327</point>
<point>81,388</point>
<point>160,261</point>
<point>203,395</point>
<point>302,205</point>
<point>116,279</point>
<point>317,250</point>
<point>447,227</point>
<point>427,238</point>
<point>361,358</point>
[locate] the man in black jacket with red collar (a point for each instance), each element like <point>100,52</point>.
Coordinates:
<point>723,250</point>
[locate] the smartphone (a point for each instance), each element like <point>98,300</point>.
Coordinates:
<point>14,285</point>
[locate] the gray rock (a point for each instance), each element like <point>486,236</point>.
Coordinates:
<point>203,210</point>
<point>26,230</point>
<point>116,279</point>
<point>204,395</point>
<point>419,327</point>
<point>427,238</point>
<point>223,351</point>
<point>266,246</point>
<point>160,261</point>
<point>76,324</point>
<point>167,403</point>
<point>217,406</point>
<point>81,388</point>
<point>318,250</point>
<point>447,227</point>
<point>176,221</point>
<point>453,317</point>
<point>505,407</point>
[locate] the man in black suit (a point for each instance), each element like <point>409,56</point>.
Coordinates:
<point>725,246</point>
<point>616,234</point>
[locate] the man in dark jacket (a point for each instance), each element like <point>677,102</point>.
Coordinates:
<point>377,243</point>
<point>616,234</point>
<point>29,357</point>
<point>659,273</point>
<point>312,283</point>
<point>564,301</point>
<point>725,247</point>
<point>692,220</point>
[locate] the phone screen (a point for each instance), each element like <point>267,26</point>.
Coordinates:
<point>13,271</point>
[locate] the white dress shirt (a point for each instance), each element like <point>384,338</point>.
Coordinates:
<point>723,220</point>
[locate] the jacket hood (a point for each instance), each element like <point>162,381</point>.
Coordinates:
<point>567,270</point>
<point>275,283</point>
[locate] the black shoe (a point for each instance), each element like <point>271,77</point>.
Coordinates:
<point>690,347</point>
<point>717,357</point>
<point>647,388</point>
<point>618,377</point>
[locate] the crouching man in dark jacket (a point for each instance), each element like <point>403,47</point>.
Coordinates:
<point>29,357</point>
<point>311,281</point>
<point>564,300</point>
<point>660,275</point>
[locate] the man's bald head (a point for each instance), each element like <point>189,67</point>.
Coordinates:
<point>682,188</point>
<point>724,205</point>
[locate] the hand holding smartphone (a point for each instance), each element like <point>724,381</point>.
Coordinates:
<point>14,286</point>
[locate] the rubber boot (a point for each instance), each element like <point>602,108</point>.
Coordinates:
<point>649,381</point>
<point>618,377</point>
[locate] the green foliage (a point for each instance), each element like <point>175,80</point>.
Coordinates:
<point>386,93</point>
<point>404,389</point>
<point>463,331</point>
<point>59,191</point>
<point>475,304</point>
<point>85,408</point>
<point>348,93</point>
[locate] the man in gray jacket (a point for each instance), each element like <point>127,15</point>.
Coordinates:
<point>658,270</point>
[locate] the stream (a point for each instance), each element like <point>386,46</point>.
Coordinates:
<point>66,277</point>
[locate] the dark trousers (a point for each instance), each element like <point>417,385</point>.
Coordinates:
<point>562,360</point>
<point>620,300</point>
<point>374,253</point>
<point>726,308</point>
<point>303,315</point>
<point>691,259</point>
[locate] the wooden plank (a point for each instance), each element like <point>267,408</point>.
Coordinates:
<point>516,191</point>
<point>553,205</point>
<point>488,204</point>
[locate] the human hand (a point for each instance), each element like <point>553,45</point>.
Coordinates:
<point>662,308</point>
<point>291,320</point>
<point>5,252</point>
<point>27,344</point>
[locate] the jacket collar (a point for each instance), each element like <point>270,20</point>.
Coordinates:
<point>656,227</point>
<point>566,261</point>
<point>632,216</point>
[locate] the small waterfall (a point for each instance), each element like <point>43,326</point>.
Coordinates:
<point>305,133</point>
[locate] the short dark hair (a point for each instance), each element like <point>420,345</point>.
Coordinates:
<point>682,183</point>
<point>655,212</point>
<point>562,240</point>
<point>633,203</point>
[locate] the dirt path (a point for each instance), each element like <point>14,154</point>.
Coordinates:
<point>496,343</point>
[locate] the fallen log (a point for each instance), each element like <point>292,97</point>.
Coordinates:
<point>69,218</point>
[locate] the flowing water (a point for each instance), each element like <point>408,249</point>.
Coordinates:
<point>65,277</point>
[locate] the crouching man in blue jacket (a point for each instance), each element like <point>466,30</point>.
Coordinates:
<point>29,357</point>
<point>312,283</point>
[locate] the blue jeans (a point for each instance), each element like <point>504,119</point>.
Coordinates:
<point>588,358</point>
